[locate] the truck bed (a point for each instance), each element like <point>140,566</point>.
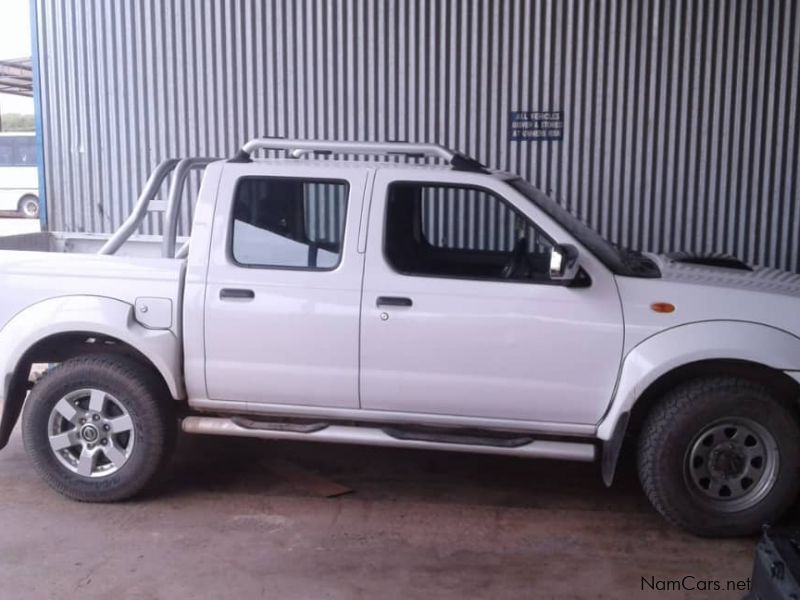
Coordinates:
<point>145,246</point>
<point>45,266</point>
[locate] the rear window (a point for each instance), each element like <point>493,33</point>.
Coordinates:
<point>288,223</point>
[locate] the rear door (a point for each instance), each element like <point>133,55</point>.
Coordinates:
<point>283,286</point>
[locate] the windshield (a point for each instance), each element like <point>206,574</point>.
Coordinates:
<point>621,261</point>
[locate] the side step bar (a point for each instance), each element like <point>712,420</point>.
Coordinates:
<point>373,436</point>
<point>305,427</point>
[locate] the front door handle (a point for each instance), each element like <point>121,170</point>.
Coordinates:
<point>393,301</point>
<point>236,293</point>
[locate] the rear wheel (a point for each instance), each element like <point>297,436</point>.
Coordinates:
<point>98,429</point>
<point>720,457</point>
<point>29,207</point>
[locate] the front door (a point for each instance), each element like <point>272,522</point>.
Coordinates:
<point>283,287</point>
<point>460,318</point>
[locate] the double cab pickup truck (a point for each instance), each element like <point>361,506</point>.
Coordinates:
<point>420,300</point>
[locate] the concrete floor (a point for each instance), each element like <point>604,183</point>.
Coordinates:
<point>247,518</point>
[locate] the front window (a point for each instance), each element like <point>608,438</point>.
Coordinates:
<point>462,232</point>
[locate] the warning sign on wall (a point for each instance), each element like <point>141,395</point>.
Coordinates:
<point>537,126</point>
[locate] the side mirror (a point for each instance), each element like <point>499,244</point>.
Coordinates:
<point>564,263</point>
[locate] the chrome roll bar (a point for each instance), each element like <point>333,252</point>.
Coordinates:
<point>147,203</point>
<point>184,167</point>
<point>141,207</point>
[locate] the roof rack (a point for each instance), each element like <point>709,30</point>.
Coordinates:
<point>297,148</point>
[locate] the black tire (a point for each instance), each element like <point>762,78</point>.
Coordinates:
<point>136,389</point>
<point>28,207</point>
<point>675,427</point>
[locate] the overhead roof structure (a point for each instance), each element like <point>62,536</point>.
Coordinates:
<point>16,77</point>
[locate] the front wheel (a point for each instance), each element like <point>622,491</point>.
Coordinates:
<point>97,429</point>
<point>720,457</point>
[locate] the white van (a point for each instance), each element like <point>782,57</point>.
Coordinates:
<point>19,176</point>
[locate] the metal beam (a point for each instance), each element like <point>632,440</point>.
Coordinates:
<point>16,77</point>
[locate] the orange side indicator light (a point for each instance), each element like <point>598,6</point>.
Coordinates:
<point>662,307</point>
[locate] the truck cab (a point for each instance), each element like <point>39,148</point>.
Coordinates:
<point>408,304</point>
<point>321,277</point>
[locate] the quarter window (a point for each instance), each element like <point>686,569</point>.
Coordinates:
<point>453,231</point>
<point>288,223</point>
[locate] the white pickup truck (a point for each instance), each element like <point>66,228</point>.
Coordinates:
<point>442,306</point>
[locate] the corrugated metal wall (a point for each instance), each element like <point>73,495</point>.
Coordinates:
<point>681,118</point>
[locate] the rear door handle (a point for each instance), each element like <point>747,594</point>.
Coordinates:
<point>236,293</point>
<point>393,301</point>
